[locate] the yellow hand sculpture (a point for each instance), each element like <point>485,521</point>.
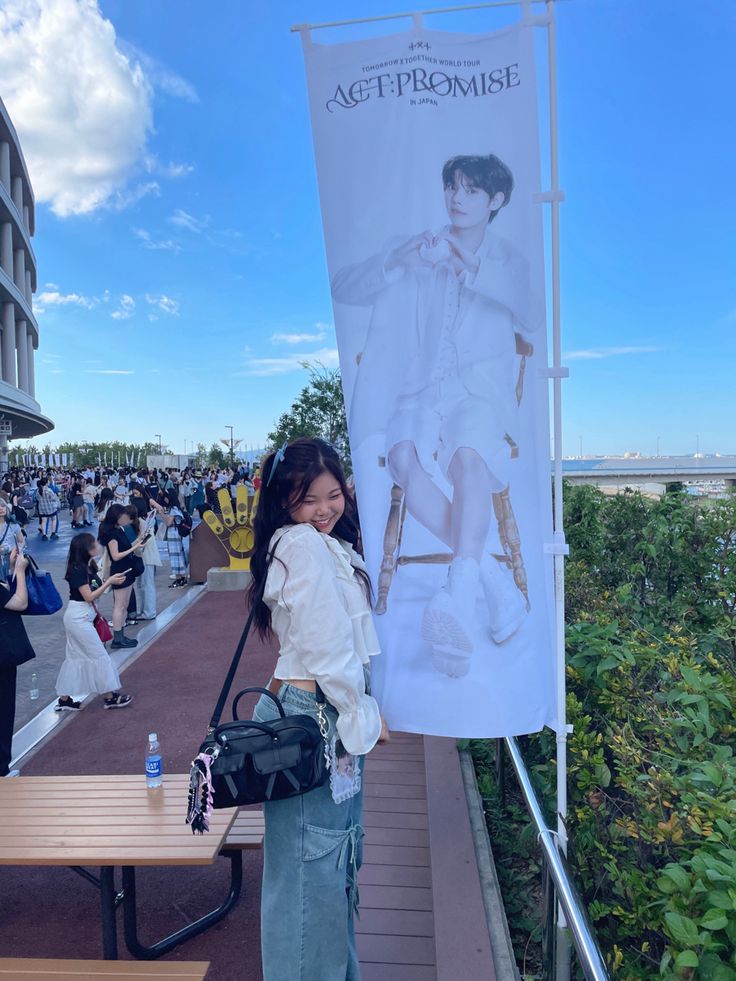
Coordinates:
<point>235,531</point>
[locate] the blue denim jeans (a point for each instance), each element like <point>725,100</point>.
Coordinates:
<point>311,855</point>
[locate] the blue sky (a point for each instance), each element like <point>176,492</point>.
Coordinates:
<point>183,278</point>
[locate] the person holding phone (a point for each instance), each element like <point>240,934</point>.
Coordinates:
<point>87,666</point>
<point>145,583</point>
<point>169,514</point>
<point>15,649</point>
<point>121,552</point>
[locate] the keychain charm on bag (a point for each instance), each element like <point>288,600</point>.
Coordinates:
<point>344,767</point>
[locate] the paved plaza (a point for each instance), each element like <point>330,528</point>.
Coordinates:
<point>47,633</point>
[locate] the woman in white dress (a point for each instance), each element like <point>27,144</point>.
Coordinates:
<point>87,666</point>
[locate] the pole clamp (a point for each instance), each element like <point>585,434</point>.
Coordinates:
<point>551,372</point>
<point>556,548</point>
<point>548,197</point>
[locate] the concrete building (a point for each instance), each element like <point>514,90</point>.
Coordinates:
<point>20,413</point>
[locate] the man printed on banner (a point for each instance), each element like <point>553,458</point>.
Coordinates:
<point>442,343</point>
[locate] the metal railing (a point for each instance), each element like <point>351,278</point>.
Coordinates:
<point>559,889</point>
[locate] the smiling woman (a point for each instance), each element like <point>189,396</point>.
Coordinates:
<point>314,594</point>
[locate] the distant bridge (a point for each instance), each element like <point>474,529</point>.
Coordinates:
<point>660,470</point>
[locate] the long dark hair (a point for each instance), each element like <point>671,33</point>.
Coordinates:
<point>79,550</point>
<point>109,523</point>
<point>304,460</point>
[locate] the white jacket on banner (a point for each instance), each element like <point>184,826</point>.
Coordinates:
<point>323,621</point>
<point>405,332</point>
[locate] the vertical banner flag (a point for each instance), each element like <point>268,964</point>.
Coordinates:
<point>427,155</point>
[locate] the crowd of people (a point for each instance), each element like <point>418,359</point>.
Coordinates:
<point>130,512</point>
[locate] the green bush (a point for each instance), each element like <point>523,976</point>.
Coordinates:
<point>651,665</point>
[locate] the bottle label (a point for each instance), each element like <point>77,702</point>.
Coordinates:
<point>153,766</point>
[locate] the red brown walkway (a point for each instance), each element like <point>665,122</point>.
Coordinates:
<point>422,915</point>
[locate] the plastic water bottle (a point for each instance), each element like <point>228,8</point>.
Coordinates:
<point>154,764</point>
<point>34,687</point>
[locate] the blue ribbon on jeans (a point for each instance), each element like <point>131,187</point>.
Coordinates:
<point>349,847</point>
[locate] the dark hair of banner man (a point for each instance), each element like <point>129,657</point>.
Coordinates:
<point>488,173</point>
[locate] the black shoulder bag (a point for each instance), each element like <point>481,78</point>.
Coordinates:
<point>247,762</point>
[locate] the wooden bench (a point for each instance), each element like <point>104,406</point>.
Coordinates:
<point>246,832</point>
<point>44,969</point>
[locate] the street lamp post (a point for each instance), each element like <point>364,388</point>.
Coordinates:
<point>232,448</point>
<point>158,437</point>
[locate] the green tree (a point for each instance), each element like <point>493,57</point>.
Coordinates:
<point>318,410</point>
<point>216,457</point>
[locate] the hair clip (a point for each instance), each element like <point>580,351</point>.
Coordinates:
<point>278,457</point>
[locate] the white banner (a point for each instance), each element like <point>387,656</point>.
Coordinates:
<point>428,162</point>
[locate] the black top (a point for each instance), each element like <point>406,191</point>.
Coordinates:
<point>81,575</point>
<point>15,647</point>
<point>118,535</point>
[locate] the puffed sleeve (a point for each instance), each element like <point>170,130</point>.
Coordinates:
<point>322,633</point>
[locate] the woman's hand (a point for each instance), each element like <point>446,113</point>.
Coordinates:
<point>116,579</point>
<point>18,562</point>
<point>138,545</point>
<point>385,736</point>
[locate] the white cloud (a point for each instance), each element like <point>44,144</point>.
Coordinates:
<point>170,170</point>
<point>126,309</point>
<point>594,353</point>
<point>284,366</point>
<point>297,338</point>
<point>164,303</point>
<point>82,102</point>
<point>158,245</point>
<point>52,298</point>
<point>108,371</point>
<point>160,76</point>
<point>121,200</point>
<point>188,222</point>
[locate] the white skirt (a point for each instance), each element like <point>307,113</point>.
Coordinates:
<point>87,666</point>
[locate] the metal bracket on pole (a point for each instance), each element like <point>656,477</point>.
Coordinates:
<point>556,548</point>
<point>548,197</point>
<point>554,372</point>
<point>536,20</point>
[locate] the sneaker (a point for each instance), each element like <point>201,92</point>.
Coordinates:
<point>44,538</point>
<point>54,537</point>
<point>67,705</point>
<point>444,631</point>
<point>506,604</point>
<point>117,701</point>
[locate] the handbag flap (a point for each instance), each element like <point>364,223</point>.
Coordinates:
<point>277,757</point>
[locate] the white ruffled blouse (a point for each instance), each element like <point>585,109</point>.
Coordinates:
<point>321,616</point>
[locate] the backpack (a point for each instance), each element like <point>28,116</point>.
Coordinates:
<point>28,499</point>
<point>184,527</point>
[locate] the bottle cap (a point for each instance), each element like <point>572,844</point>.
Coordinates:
<point>152,737</point>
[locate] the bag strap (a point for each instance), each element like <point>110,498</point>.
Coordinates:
<point>215,720</point>
<point>216,715</point>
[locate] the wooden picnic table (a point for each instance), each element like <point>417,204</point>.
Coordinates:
<point>113,821</point>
